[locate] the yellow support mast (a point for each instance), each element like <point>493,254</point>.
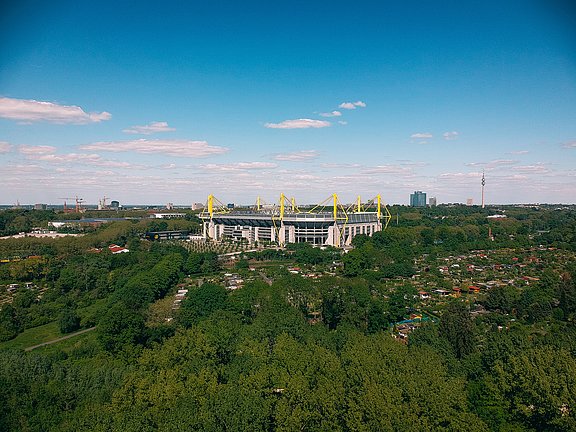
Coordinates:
<point>335,205</point>
<point>213,206</point>
<point>210,205</point>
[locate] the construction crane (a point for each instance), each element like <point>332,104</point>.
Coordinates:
<point>102,203</point>
<point>78,201</point>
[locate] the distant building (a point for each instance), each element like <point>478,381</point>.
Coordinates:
<point>470,201</point>
<point>197,206</point>
<point>166,235</point>
<point>432,202</point>
<point>114,205</point>
<point>40,206</point>
<point>418,199</point>
<point>497,216</point>
<point>230,206</point>
<point>168,215</point>
<point>170,206</point>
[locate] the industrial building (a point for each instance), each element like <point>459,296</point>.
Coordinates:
<point>327,224</point>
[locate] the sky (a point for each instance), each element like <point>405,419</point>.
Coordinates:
<point>156,102</point>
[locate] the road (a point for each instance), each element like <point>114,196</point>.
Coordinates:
<point>60,339</point>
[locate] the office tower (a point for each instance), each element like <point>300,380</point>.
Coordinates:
<point>418,199</point>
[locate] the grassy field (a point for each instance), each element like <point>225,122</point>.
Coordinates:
<point>51,331</point>
<point>86,341</point>
<point>34,336</point>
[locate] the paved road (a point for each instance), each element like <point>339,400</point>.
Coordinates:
<point>59,339</point>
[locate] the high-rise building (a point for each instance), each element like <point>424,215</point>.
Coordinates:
<point>40,206</point>
<point>418,199</point>
<point>470,201</point>
<point>432,201</point>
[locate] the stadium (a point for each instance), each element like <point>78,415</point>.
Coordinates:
<point>327,224</point>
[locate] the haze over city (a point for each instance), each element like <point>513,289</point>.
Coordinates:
<point>152,103</point>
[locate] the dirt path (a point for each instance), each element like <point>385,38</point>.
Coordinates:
<point>59,339</point>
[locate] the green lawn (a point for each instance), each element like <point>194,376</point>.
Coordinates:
<point>34,336</point>
<point>50,331</point>
<point>86,341</point>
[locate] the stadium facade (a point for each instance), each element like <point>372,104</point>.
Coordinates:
<point>327,224</point>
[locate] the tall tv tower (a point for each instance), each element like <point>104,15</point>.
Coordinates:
<point>483,183</point>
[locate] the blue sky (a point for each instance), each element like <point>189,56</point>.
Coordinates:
<point>156,102</point>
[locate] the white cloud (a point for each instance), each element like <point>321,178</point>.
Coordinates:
<point>308,177</point>
<point>519,152</point>
<point>298,124</point>
<point>66,158</point>
<point>48,154</point>
<point>331,114</point>
<point>421,135</point>
<point>5,147</point>
<point>388,169</point>
<point>36,150</point>
<point>459,176</point>
<point>255,165</point>
<point>298,156</point>
<point>33,110</point>
<point>154,127</point>
<point>81,158</point>
<point>569,144</point>
<point>342,122</point>
<point>532,169</point>
<point>352,105</point>
<point>340,165</point>
<point>239,166</point>
<point>493,164</point>
<point>183,148</point>
<point>450,136</point>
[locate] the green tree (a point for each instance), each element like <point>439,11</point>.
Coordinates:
<point>355,262</point>
<point>567,294</point>
<point>242,264</point>
<point>201,302</point>
<point>503,298</point>
<point>69,321</point>
<point>401,301</point>
<point>121,328</point>
<point>376,317</point>
<point>9,323</point>
<point>458,329</point>
<point>539,387</point>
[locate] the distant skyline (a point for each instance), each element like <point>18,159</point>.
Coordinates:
<point>149,103</point>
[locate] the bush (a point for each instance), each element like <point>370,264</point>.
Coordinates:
<point>69,321</point>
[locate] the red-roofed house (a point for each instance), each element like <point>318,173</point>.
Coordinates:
<point>115,249</point>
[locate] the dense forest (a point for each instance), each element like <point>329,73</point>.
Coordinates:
<point>311,340</point>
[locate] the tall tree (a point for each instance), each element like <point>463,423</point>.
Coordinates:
<point>457,327</point>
